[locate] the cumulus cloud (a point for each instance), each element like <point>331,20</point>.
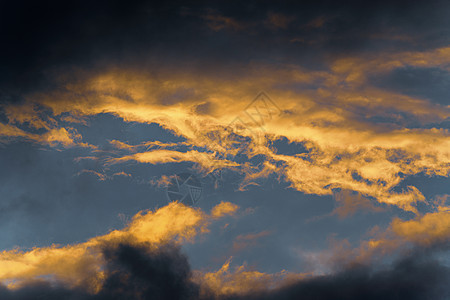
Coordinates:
<point>142,272</point>
<point>75,264</point>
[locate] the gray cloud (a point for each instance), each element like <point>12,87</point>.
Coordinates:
<point>135,272</point>
<point>46,39</point>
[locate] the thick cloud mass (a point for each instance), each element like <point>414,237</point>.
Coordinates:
<point>131,273</point>
<point>135,272</point>
<point>407,279</point>
<point>43,39</point>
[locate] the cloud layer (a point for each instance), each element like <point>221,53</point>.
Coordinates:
<point>318,134</point>
<point>143,261</point>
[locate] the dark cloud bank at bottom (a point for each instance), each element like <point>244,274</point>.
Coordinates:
<point>139,273</point>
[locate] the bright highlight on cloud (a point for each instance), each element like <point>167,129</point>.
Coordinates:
<point>344,147</point>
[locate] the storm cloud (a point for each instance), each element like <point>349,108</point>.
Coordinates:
<point>43,41</point>
<point>136,272</point>
<point>131,272</point>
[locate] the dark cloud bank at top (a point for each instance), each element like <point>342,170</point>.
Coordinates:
<point>42,40</point>
<point>134,272</point>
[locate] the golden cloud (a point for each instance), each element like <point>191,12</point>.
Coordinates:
<point>331,119</point>
<point>241,280</point>
<point>428,230</point>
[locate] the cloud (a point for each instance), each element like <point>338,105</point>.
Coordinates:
<point>223,209</point>
<point>75,264</point>
<point>130,272</point>
<point>142,146</point>
<point>142,272</point>
<point>244,241</point>
<point>412,278</point>
<point>78,62</point>
<point>278,20</point>
<point>427,231</point>
<point>351,129</point>
<point>349,203</point>
<point>55,137</point>
<point>218,22</point>
<point>206,161</point>
<point>34,60</point>
<point>240,282</point>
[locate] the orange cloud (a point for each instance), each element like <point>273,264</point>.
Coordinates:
<point>54,137</point>
<point>146,145</point>
<point>331,119</point>
<point>218,22</point>
<point>223,209</point>
<point>248,240</point>
<point>278,20</point>
<point>425,230</point>
<point>206,161</point>
<point>349,203</point>
<point>240,280</point>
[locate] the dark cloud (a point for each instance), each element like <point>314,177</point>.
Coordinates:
<point>408,279</point>
<point>136,272</point>
<point>426,83</point>
<point>42,40</point>
<point>42,290</point>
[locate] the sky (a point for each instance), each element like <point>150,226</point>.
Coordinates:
<point>224,150</point>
